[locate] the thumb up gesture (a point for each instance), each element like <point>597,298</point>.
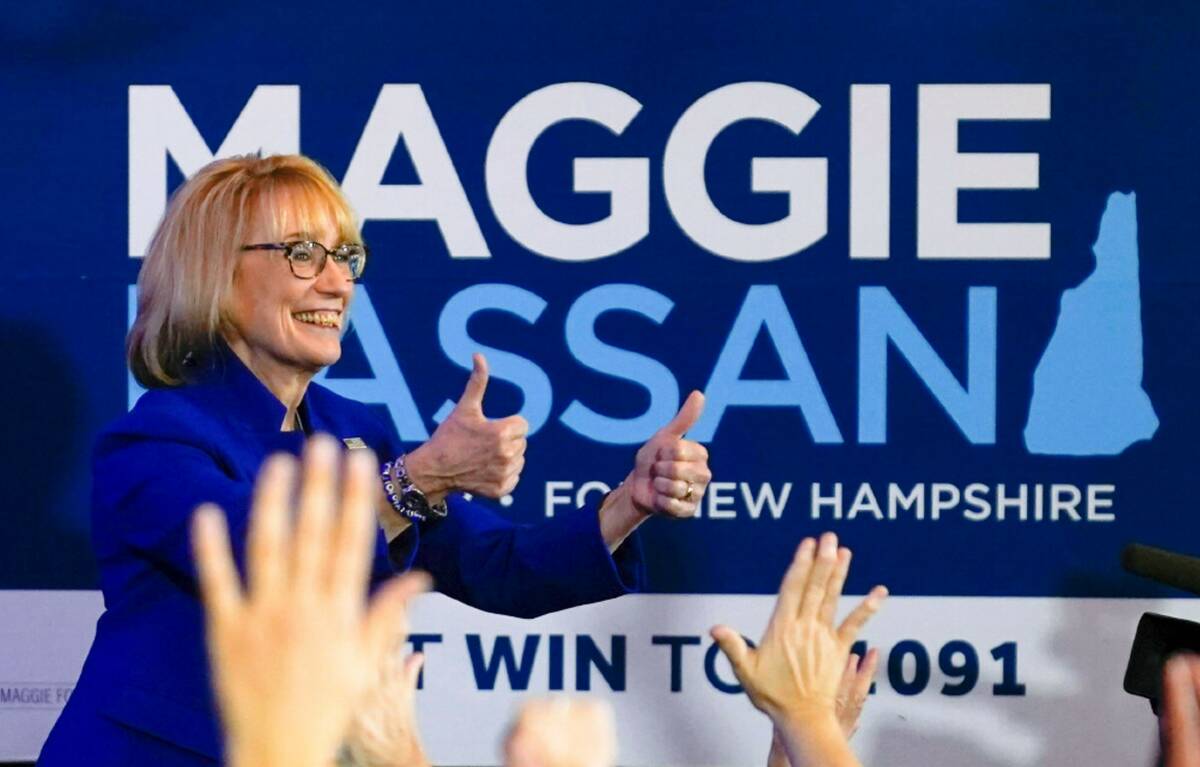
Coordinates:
<point>671,473</point>
<point>470,452</point>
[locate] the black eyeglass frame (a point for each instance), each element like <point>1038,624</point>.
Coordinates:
<point>288,247</point>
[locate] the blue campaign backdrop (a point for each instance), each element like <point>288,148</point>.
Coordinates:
<point>1095,360</point>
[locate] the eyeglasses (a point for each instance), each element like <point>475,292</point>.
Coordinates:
<point>307,258</point>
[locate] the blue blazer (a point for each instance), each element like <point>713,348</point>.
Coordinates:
<point>144,695</point>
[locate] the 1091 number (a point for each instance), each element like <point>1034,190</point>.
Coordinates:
<point>908,667</point>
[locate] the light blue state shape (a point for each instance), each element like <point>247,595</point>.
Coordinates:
<point>1087,389</point>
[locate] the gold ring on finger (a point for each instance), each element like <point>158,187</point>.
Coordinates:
<point>691,489</point>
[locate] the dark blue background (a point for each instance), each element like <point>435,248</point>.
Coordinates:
<point>1123,113</point>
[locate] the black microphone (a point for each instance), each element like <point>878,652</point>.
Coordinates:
<point>1162,566</point>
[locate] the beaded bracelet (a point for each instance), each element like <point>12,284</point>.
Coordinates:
<point>389,489</point>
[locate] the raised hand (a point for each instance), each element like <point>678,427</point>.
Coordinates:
<point>1180,720</point>
<point>293,651</point>
<point>562,732</point>
<point>469,452</point>
<point>854,689</point>
<point>384,732</point>
<point>852,695</point>
<point>795,674</point>
<point>670,473</point>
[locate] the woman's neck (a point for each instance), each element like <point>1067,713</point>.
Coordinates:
<point>286,382</point>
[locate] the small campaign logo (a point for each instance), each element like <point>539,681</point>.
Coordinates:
<point>34,695</point>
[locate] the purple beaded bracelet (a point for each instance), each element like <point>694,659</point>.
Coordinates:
<point>389,489</point>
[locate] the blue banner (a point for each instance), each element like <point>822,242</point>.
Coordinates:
<point>931,264</point>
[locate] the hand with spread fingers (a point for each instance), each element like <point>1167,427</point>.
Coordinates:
<point>795,674</point>
<point>470,452</point>
<point>384,732</point>
<point>669,477</point>
<point>562,732</point>
<point>293,651</point>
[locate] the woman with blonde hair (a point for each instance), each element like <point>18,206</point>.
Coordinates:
<point>242,299</point>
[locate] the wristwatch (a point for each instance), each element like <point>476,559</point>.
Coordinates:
<point>405,497</point>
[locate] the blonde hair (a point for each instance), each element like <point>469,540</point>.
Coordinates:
<point>187,275</point>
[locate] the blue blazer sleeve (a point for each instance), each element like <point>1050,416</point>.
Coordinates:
<point>488,562</point>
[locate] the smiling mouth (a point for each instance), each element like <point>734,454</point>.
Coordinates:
<point>322,319</point>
